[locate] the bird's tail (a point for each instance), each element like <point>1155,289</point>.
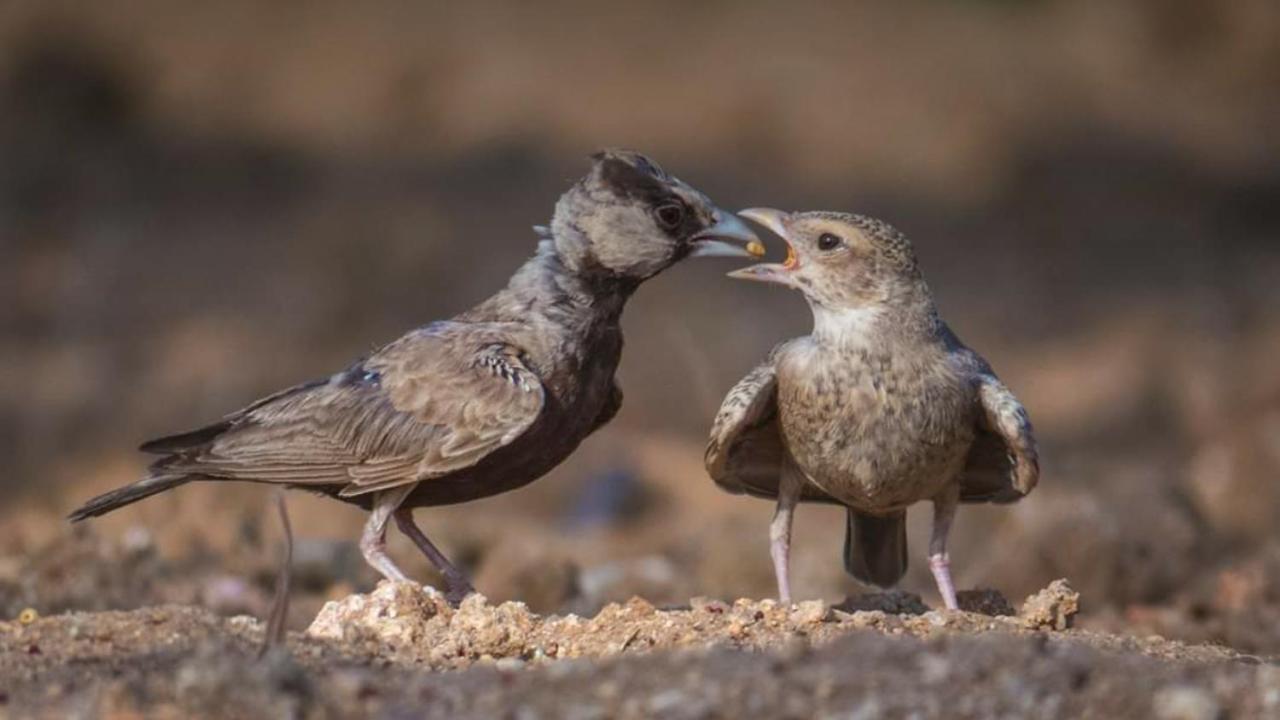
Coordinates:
<point>178,466</point>
<point>875,547</point>
<point>127,495</point>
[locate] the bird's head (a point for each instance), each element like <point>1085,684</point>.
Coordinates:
<point>630,219</point>
<point>840,261</point>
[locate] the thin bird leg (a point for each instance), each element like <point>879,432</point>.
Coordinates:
<point>373,541</point>
<point>944,511</point>
<point>458,585</point>
<point>780,529</point>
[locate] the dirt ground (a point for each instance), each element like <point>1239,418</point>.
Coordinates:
<point>159,612</point>
<point>379,655</point>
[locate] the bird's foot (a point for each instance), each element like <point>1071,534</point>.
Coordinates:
<point>391,573</point>
<point>940,565</point>
<point>457,587</point>
<point>457,590</point>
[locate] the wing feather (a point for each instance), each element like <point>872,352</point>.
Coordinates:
<point>746,449</point>
<point>1003,464</point>
<point>436,401</point>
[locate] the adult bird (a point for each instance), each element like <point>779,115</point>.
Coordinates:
<point>880,407</point>
<point>477,405</point>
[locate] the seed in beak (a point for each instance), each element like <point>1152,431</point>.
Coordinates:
<point>756,248</point>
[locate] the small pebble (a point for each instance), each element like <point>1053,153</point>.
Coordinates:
<point>809,612</point>
<point>509,664</point>
<point>708,605</point>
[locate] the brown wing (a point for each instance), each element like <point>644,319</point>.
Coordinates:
<point>745,452</point>
<point>1003,463</point>
<point>435,401</point>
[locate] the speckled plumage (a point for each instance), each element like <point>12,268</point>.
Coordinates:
<point>477,405</point>
<point>879,408</point>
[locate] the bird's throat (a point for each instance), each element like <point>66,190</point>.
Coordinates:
<point>847,326</point>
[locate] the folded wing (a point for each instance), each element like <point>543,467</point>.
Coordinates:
<point>436,401</point>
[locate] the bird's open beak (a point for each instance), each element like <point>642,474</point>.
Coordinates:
<point>779,273</point>
<point>728,237</point>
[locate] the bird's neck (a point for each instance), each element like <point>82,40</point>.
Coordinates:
<point>847,326</point>
<point>569,289</point>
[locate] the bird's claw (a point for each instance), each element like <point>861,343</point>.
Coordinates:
<point>457,592</point>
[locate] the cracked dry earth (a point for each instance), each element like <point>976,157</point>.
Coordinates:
<point>401,651</point>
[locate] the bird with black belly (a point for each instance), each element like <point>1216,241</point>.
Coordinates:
<point>880,407</point>
<point>477,405</point>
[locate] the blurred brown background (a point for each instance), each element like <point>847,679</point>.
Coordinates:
<point>202,202</point>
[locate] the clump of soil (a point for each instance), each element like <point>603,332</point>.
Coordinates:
<point>380,655</point>
<point>416,625</point>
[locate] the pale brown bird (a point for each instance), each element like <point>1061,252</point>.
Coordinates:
<point>477,405</point>
<point>879,408</point>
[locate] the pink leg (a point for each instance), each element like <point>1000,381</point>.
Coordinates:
<point>944,511</point>
<point>941,567</point>
<point>780,530</point>
<point>458,585</point>
<point>373,541</point>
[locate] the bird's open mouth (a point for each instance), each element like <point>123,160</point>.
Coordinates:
<point>728,237</point>
<point>780,273</point>
<point>776,222</point>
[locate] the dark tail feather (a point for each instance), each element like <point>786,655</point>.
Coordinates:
<point>185,441</point>
<point>875,547</point>
<point>128,494</point>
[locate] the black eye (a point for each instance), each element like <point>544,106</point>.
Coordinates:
<point>827,242</point>
<point>669,215</point>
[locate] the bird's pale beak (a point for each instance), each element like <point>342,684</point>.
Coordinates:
<point>728,237</point>
<point>779,273</point>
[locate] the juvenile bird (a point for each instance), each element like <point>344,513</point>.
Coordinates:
<point>880,407</point>
<point>477,405</point>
